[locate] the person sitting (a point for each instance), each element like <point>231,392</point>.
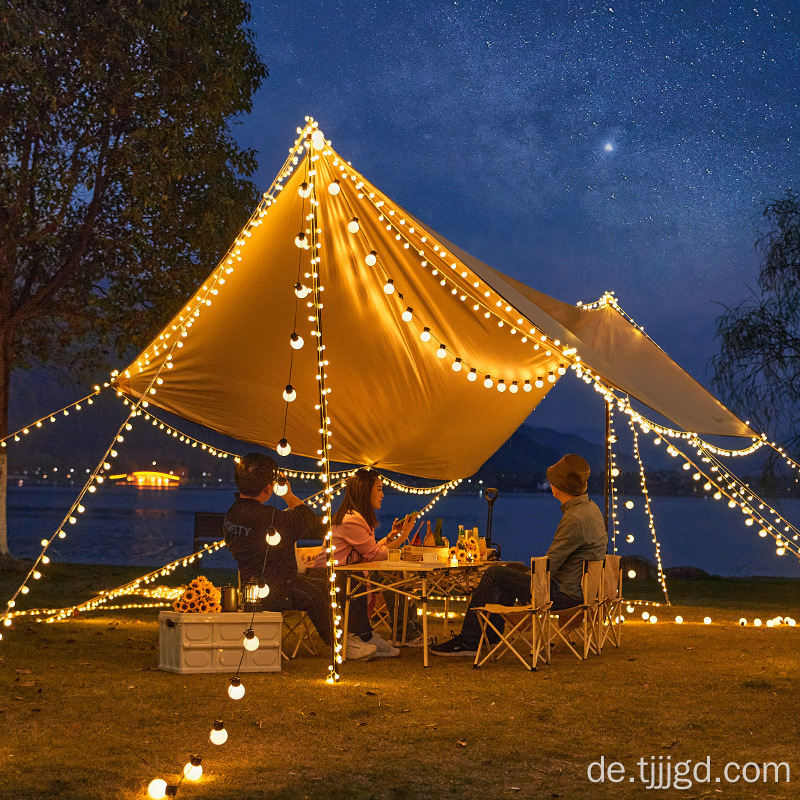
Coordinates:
<point>580,536</point>
<point>247,526</point>
<point>353,536</point>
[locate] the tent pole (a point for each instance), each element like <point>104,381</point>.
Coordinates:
<point>608,464</point>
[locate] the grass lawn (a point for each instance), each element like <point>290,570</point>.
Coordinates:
<point>85,712</point>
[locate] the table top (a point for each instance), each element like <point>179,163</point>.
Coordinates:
<point>408,566</point>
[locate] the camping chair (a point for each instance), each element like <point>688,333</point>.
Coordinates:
<point>526,632</point>
<point>297,627</point>
<point>585,619</point>
<point>612,601</point>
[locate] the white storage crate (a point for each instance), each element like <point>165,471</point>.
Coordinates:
<point>214,642</point>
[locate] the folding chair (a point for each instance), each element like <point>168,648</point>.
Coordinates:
<point>526,632</point>
<point>297,627</point>
<point>612,601</point>
<point>585,619</point>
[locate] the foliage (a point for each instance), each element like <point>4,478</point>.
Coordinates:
<point>758,366</point>
<point>120,180</point>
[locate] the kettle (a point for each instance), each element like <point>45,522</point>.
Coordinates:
<point>229,598</point>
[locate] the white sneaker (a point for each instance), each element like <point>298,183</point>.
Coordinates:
<point>358,649</point>
<point>384,649</point>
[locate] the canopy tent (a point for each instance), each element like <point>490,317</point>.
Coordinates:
<point>432,359</point>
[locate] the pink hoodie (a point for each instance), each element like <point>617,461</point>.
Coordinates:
<point>355,542</point>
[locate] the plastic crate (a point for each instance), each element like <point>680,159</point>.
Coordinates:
<point>214,642</point>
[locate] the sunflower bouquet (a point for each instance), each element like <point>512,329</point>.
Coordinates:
<point>199,596</point>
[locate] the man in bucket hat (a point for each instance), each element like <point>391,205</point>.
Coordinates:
<point>581,536</point>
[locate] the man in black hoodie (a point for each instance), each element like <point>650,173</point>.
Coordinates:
<point>262,539</point>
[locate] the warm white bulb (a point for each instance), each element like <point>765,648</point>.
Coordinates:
<point>236,690</point>
<point>301,291</point>
<point>301,241</point>
<point>250,640</point>
<point>388,287</point>
<point>193,772</point>
<point>425,335</point>
<point>353,226</point>
<point>629,504</point>
<point>263,591</point>
<point>501,386</point>
<point>514,388</point>
<point>157,789</point>
<point>273,539</point>
<point>539,383</point>
<point>457,365</point>
<point>296,341</point>
<point>218,736</point>
<point>289,394</point>
<point>442,351</point>
<point>527,386</point>
<point>473,375</point>
<point>371,259</point>
<point>304,190</point>
<point>335,187</point>
<point>318,140</point>
<point>551,377</point>
<point>488,382</point>
<point>679,619</point>
<point>407,315</point>
<point>281,489</point>
<point>561,369</point>
<point>283,448</point>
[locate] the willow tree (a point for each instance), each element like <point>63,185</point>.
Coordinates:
<point>758,366</point>
<point>120,179</point>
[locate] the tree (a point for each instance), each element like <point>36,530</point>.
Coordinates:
<point>120,180</point>
<point>758,366</point>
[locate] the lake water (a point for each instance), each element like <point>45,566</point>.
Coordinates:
<point>126,525</point>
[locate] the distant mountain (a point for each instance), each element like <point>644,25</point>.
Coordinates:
<point>521,463</point>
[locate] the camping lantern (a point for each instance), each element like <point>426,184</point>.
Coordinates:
<point>250,596</point>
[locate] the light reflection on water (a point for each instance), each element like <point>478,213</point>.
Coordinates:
<point>126,525</point>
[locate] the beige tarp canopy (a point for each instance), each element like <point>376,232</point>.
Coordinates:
<point>225,360</point>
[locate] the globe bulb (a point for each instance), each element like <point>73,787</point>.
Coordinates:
<point>318,140</point>
<point>425,335</point>
<point>561,369</point>
<point>218,734</point>
<point>289,394</point>
<point>371,258</point>
<point>250,643</point>
<point>551,378</point>
<point>296,341</point>
<point>457,365</point>
<point>194,769</point>
<point>388,287</point>
<point>301,291</point>
<point>300,241</point>
<point>282,487</point>
<point>283,447</point>
<point>407,315</point>
<point>442,351</point>
<point>157,789</point>
<point>236,690</point>
<point>304,190</point>
<point>501,386</point>
<point>514,388</point>
<point>353,226</point>
<point>539,384</point>
<point>488,382</point>
<point>335,187</point>
<point>473,374</point>
<point>263,591</point>
<point>273,539</point>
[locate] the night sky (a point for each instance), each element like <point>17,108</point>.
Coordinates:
<point>578,147</point>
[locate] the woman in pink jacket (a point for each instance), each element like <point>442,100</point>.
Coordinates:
<point>353,536</point>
